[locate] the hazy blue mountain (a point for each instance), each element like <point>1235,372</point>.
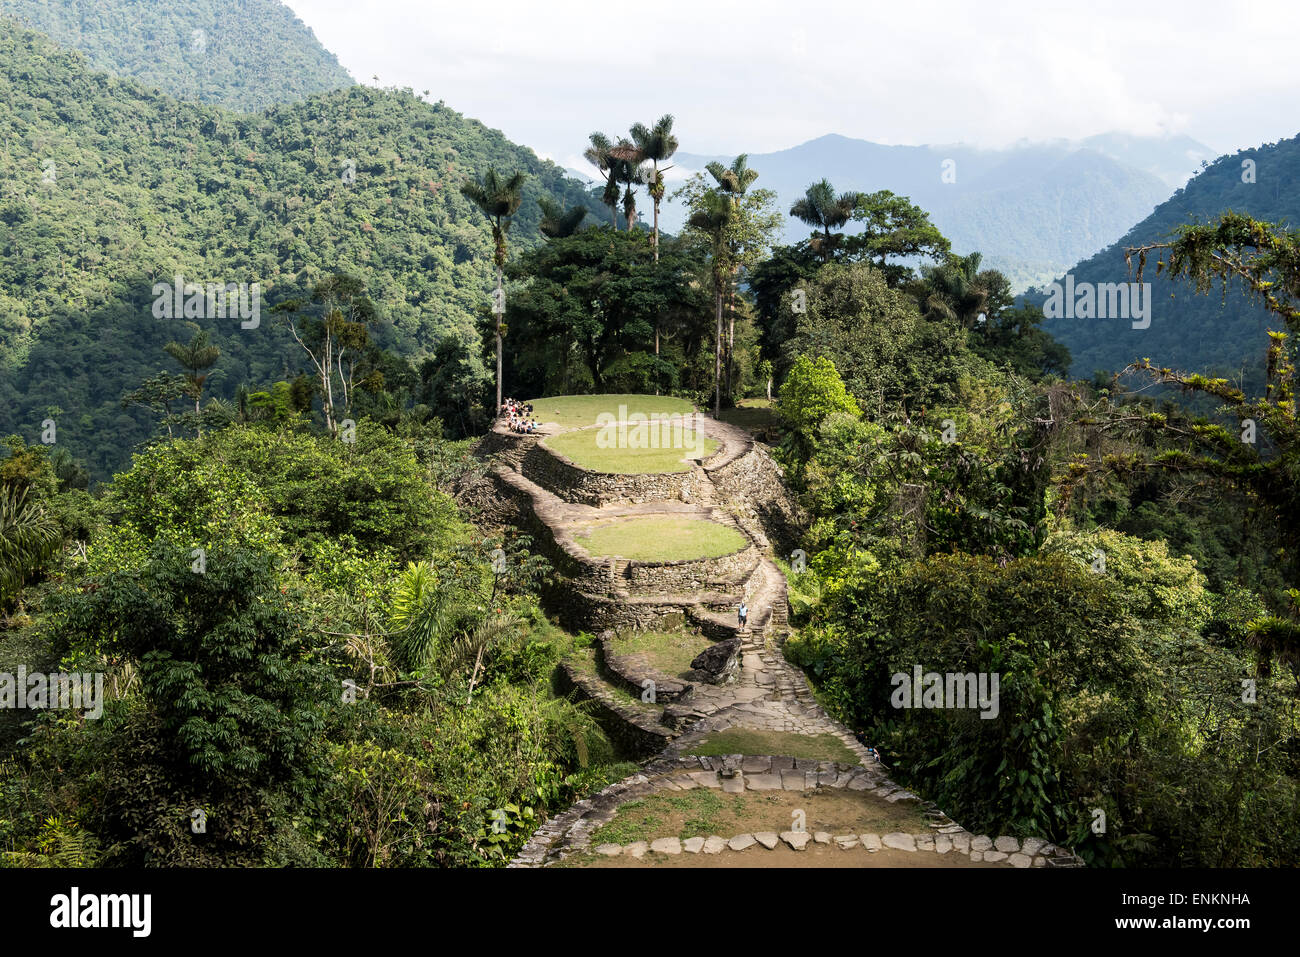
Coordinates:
<point>1032,209</point>
<point>1174,159</point>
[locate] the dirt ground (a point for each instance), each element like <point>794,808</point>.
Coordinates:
<point>815,855</point>
<point>702,812</point>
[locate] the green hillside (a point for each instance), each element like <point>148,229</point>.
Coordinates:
<point>1189,331</point>
<point>109,188</point>
<point>242,54</point>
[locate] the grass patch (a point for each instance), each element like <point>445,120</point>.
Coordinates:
<point>632,820</point>
<point>705,811</point>
<point>583,661</point>
<point>670,651</point>
<point>752,415</point>
<point>658,538</point>
<point>815,747</point>
<point>580,411</point>
<point>584,448</point>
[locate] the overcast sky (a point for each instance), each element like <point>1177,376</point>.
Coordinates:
<point>760,76</point>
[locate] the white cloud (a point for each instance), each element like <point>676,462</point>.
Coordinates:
<point>922,72</point>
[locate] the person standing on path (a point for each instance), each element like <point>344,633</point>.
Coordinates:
<point>742,613</point>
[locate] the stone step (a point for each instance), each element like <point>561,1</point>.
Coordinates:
<point>639,731</point>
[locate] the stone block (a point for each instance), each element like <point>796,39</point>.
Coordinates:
<point>666,845</point>
<point>899,841</point>
<point>708,779</point>
<point>796,839</point>
<point>794,780</point>
<point>741,841</point>
<point>763,782</point>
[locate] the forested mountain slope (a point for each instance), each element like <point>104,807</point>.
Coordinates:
<point>108,188</point>
<point>1206,332</point>
<point>242,54</point>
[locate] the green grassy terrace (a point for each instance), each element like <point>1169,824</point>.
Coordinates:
<point>659,538</point>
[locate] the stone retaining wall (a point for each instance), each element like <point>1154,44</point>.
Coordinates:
<point>564,478</point>
<point>752,483</point>
<point>509,448</point>
<point>581,612</point>
<point>570,832</point>
<point>633,733</point>
<point>702,574</point>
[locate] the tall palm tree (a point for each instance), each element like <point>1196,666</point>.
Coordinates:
<point>627,159</point>
<point>821,209</point>
<point>499,200</point>
<point>597,154</point>
<point>734,181</point>
<point>656,144</point>
<point>558,222</point>
<point>195,357</point>
<point>713,219</point>
<point>955,290</point>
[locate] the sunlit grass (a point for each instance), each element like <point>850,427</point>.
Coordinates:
<point>659,538</point>
<point>584,448</point>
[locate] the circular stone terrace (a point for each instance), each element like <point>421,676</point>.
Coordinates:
<point>640,461</point>
<point>740,766</point>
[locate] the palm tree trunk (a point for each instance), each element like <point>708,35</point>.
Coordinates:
<point>499,319</point>
<point>717,355</point>
<point>656,238</point>
<point>731,332</point>
<point>655,196</point>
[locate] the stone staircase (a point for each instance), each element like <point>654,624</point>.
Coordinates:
<point>765,693</point>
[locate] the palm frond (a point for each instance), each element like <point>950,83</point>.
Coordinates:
<point>28,537</point>
<point>420,616</point>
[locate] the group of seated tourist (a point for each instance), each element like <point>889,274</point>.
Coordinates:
<point>518,416</point>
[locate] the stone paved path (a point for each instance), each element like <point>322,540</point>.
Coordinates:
<point>767,695</point>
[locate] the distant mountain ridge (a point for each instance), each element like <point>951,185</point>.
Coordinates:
<point>1032,209</point>
<point>242,54</point>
